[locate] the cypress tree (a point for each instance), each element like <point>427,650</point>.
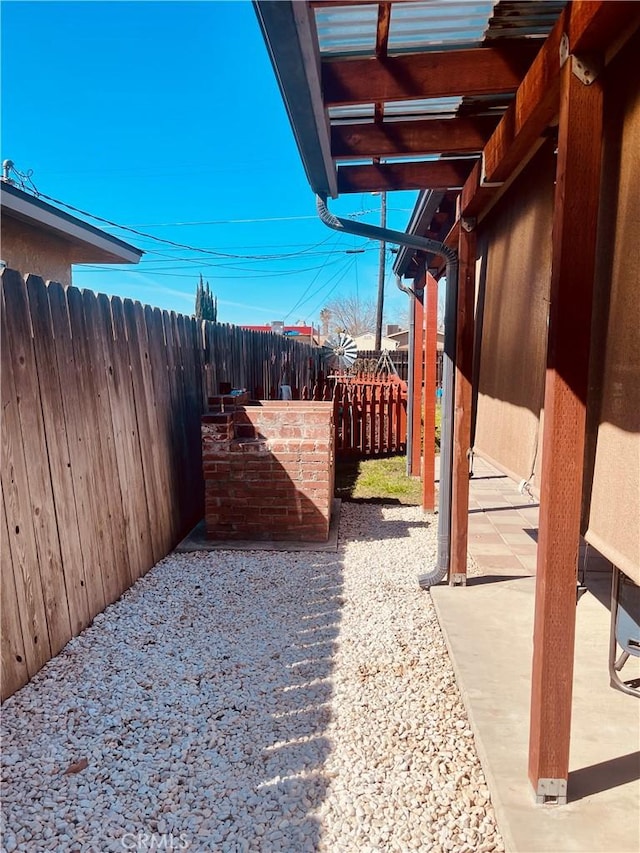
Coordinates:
<point>206,302</point>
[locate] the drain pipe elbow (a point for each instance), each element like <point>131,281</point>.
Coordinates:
<point>403,287</point>
<point>424,244</point>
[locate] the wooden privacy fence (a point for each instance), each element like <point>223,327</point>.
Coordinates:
<point>368,359</point>
<point>101,470</point>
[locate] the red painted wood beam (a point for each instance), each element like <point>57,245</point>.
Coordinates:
<point>463,403</point>
<point>411,138</point>
<point>430,352</point>
<point>572,275</point>
<point>383,177</point>
<point>431,74</point>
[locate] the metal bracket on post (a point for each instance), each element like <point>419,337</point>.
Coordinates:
<point>483,177</point>
<point>552,792</point>
<point>585,68</point>
<point>564,49</point>
<point>468,223</point>
<point>458,579</point>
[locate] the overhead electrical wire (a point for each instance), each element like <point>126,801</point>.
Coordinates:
<point>245,274</point>
<point>328,294</point>
<point>306,290</point>
<point>308,251</point>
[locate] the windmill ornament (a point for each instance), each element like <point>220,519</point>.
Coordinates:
<point>340,352</point>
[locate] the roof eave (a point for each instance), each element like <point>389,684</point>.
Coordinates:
<point>290,34</point>
<point>36,212</point>
<point>423,212</point>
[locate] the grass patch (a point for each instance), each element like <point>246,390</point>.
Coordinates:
<point>384,480</point>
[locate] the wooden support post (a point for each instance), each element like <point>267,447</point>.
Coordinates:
<point>430,354</point>
<point>572,274</point>
<point>463,403</point>
<point>418,357</point>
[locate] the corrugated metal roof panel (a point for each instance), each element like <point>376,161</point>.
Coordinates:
<point>533,18</point>
<point>347,30</point>
<point>416,26</point>
<point>398,110</point>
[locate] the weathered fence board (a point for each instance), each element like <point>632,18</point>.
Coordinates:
<point>81,463</point>
<point>119,576</point>
<point>40,494</point>
<point>14,663</point>
<point>53,418</point>
<point>137,537</point>
<point>22,556</point>
<point>156,475</point>
<point>93,430</point>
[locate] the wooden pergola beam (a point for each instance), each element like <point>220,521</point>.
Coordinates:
<point>435,74</point>
<point>382,40</point>
<point>382,177</point>
<point>411,138</point>
<point>575,219</point>
<point>382,29</point>
<point>590,26</point>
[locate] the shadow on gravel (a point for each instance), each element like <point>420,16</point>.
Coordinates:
<point>196,707</point>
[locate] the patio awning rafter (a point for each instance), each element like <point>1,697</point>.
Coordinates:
<point>433,74</point>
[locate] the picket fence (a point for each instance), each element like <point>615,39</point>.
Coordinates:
<point>370,413</point>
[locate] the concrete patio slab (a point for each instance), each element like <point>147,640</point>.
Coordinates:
<point>488,627</point>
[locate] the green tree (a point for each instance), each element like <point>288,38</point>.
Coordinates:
<point>206,302</point>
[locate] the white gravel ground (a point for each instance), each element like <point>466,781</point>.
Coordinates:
<point>255,701</point>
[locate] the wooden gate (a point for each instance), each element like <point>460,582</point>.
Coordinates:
<point>370,414</point>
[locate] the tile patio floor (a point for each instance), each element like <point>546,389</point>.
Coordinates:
<point>488,627</point>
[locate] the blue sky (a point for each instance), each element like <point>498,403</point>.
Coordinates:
<point>151,114</point>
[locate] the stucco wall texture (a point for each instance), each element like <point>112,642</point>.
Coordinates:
<point>31,250</point>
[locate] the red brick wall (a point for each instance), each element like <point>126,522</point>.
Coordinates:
<point>269,471</point>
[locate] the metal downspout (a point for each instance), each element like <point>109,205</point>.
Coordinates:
<point>424,244</point>
<point>410,390</point>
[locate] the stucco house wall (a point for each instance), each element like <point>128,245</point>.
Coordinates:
<point>32,250</point>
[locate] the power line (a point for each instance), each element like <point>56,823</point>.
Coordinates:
<point>162,240</point>
<point>245,274</point>
<point>308,287</point>
<point>327,295</point>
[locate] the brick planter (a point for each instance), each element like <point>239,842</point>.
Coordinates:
<point>269,471</point>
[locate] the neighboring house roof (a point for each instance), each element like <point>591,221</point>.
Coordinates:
<point>289,331</point>
<point>402,339</point>
<point>367,342</point>
<point>92,244</point>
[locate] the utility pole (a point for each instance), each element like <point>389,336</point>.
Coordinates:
<point>383,247</point>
